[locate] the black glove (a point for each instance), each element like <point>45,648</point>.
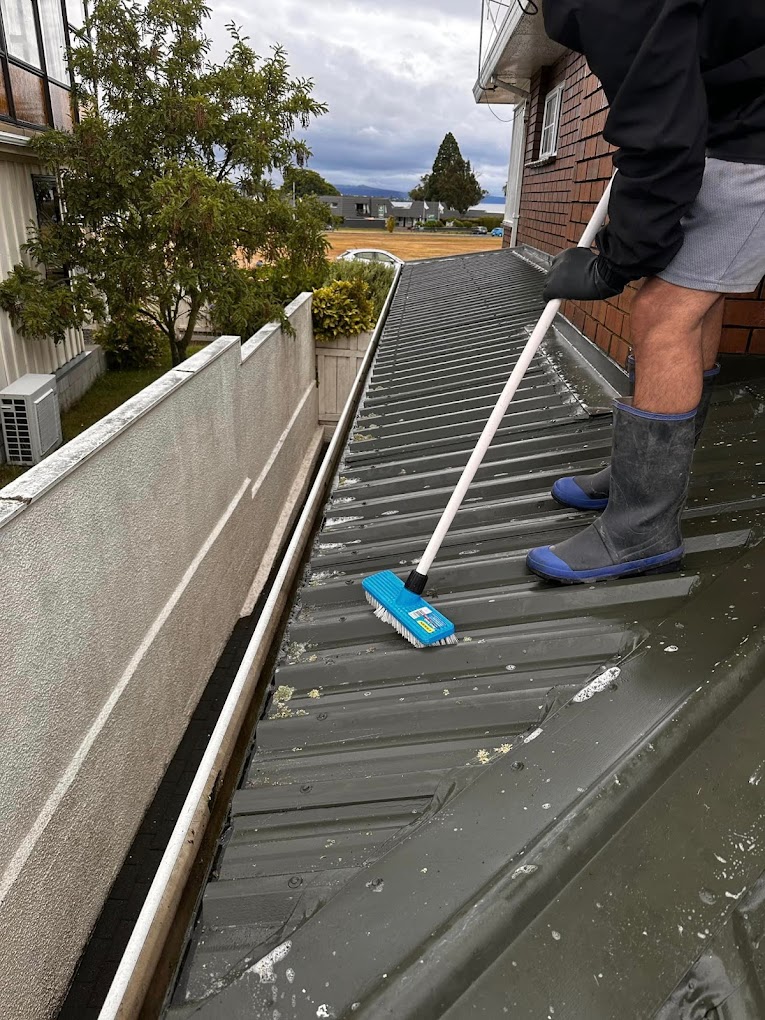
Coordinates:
<point>582,275</point>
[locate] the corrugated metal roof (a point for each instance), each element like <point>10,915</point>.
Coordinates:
<point>458,832</point>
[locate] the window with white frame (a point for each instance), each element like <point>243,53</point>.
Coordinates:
<point>550,122</point>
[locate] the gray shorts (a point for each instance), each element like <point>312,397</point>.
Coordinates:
<point>724,247</point>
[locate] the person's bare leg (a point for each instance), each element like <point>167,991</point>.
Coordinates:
<point>667,330</point>
<point>711,330</point>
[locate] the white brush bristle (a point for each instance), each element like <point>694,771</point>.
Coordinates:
<point>387,617</point>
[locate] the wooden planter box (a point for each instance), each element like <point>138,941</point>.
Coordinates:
<point>337,364</point>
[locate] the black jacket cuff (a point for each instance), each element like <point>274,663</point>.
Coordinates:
<point>611,275</point>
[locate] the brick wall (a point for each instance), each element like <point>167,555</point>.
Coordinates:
<point>558,198</point>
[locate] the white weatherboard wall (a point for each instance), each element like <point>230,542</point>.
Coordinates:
<point>125,560</point>
<point>17,211</point>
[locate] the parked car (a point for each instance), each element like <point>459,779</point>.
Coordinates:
<point>370,255</point>
<point>480,230</point>
<point>498,232</point>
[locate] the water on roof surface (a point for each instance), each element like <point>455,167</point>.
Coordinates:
<point>467,787</point>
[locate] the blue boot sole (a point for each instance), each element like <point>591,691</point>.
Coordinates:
<point>567,493</point>
<point>544,563</point>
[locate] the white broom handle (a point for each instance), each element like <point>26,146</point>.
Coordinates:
<point>512,384</point>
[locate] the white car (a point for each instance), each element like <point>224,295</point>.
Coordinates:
<point>370,255</point>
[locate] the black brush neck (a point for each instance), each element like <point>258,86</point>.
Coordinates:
<point>416,582</point>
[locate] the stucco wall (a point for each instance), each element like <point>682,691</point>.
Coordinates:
<point>125,560</point>
<point>17,211</point>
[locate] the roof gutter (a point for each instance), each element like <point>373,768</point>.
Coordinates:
<point>13,146</point>
<point>10,138</point>
<point>487,82</point>
<point>144,950</point>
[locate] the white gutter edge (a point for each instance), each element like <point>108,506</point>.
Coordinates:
<point>505,34</point>
<point>9,138</point>
<point>208,767</point>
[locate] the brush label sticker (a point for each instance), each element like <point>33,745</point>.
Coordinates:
<point>428,619</point>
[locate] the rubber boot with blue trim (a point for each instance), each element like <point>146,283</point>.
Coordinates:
<point>639,531</point>
<point>590,492</point>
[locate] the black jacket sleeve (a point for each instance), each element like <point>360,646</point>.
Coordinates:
<point>647,56</point>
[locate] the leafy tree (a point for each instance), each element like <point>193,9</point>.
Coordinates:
<point>417,194</point>
<point>390,224</point>
<point>40,310</point>
<point>291,260</point>
<point>452,181</point>
<point>167,179</point>
<point>306,182</point>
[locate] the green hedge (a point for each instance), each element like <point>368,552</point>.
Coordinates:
<point>490,222</point>
<point>376,275</point>
<point>342,308</point>
<point>130,343</point>
<point>352,299</point>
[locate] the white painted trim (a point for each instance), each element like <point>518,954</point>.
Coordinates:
<point>556,93</point>
<point>515,172</point>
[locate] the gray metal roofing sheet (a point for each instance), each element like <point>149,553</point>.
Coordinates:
<point>458,832</point>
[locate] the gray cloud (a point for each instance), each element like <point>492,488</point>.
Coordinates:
<point>395,78</point>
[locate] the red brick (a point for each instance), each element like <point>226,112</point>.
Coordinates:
<point>557,200</point>
<point>603,337</point>
<point>734,341</point>
<point>577,317</point>
<point>614,319</point>
<point>744,313</point>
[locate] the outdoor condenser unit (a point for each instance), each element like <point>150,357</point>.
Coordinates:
<point>31,419</point>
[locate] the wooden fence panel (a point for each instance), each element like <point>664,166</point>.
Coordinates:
<point>337,364</point>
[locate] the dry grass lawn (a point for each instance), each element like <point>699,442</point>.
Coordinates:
<point>408,245</point>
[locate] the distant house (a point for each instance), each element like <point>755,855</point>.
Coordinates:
<point>373,211</point>
<point>560,165</point>
<point>35,94</point>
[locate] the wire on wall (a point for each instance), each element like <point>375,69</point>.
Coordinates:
<point>500,119</point>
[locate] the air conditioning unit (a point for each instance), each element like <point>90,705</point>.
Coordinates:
<point>31,419</point>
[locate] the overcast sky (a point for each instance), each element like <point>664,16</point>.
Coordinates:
<point>396,75</point>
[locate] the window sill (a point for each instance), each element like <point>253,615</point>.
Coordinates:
<point>544,161</point>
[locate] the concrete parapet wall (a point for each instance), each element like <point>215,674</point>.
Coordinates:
<point>125,560</point>
<point>75,378</point>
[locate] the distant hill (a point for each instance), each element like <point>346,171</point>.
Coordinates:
<point>380,191</point>
<point>375,190</point>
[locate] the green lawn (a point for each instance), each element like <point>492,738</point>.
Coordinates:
<point>104,396</point>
